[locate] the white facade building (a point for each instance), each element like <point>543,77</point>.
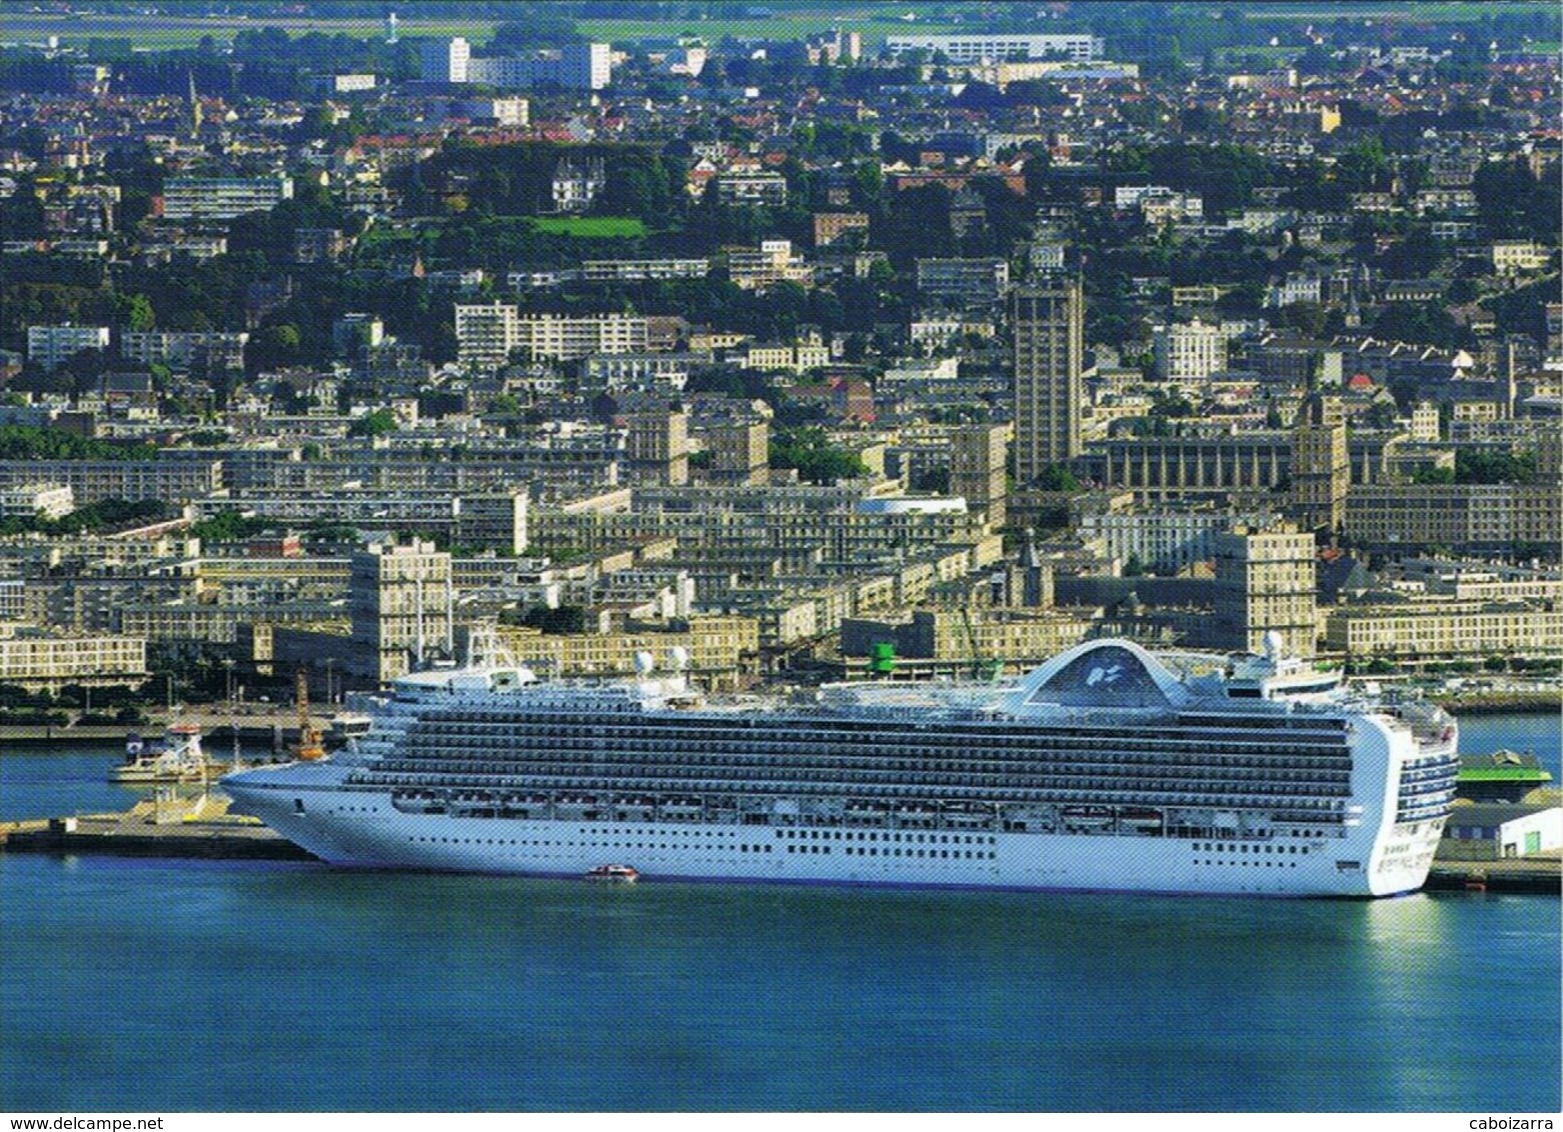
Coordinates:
<point>447,62</point>
<point>51,346</point>
<point>222,198</point>
<point>576,66</point>
<point>486,333</point>
<point>1190,351</point>
<point>37,660</point>
<point>37,500</point>
<point>981,48</point>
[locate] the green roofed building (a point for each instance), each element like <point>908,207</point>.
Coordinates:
<point>1503,776</point>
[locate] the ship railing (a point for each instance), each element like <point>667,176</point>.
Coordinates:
<point>919,793</point>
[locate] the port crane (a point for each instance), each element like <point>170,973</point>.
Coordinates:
<point>310,746</point>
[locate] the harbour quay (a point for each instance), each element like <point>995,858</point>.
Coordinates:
<point>153,829</point>
<point>1540,874</point>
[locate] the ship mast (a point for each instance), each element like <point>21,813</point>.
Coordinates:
<point>310,746</point>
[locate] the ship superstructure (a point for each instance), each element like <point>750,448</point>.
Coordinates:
<point>1105,768</point>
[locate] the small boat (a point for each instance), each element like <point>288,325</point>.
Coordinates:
<point>177,758</point>
<point>613,874</point>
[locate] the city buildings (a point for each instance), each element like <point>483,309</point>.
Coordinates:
<point>1321,469</point>
<point>559,323</point>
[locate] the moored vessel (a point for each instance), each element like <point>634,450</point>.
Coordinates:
<point>177,758</point>
<point>1104,768</point>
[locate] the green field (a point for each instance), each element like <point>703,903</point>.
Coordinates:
<point>172,32</point>
<point>874,19</point>
<point>1441,11</point>
<point>591,227</point>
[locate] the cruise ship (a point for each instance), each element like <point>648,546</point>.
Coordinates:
<point>1106,768</point>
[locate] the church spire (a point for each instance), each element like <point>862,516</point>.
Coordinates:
<point>193,107</point>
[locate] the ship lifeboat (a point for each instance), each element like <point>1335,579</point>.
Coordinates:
<point>613,874</point>
<point>577,806</point>
<point>968,816</point>
<point>1087,817</point>
<point>634,809</point>
<point>1143,820</point>
<point>872,813</point>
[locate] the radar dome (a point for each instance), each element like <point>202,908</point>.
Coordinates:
<point>644,663</point>
<point>1274,644</point>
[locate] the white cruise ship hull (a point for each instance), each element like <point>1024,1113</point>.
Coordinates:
<point>355,829</point>
<point>1100,771</point>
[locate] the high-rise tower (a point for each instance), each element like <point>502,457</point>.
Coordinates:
<point>1266,582</point>
<point>400,601</point>
<point>1048,327</point>
<point>1321,465</point>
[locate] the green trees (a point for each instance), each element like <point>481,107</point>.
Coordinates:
<point>564,619</point>
<point>1515,205</point>
<point>1225,175</point>
<point>23,442</point>
<point>1056,477</point>
<point>274,346</point>
<point>227,526</point>
<point>1422,323</point>
<point>104,515</point>
<point>809,451</point>
<point>378,423</point>
<point>1493,467</point>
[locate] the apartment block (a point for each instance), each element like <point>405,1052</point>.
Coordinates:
<point>401,604</point>
<point>575,66</point>
<point>970,281</point>
<point>52,346</point>
<point>1436,629</point>
<point>832,226</point>
<point>1190,351</point>
<point>185,349</point>
<point>756,269</point>
<point>992,48</point>
<point>222,198</point>
<point>751,188</point>
<point>36,501</point>
<point>1266,582</point>
<point>168,478</point>
<point>41,661</point>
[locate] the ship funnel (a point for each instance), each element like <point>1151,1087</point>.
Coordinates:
<point>678,657</point>
<point>644,663</point>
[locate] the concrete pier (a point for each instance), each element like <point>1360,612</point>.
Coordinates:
<point>1540,873</point>
<point>154,829</point>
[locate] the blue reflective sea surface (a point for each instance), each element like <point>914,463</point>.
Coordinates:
<point>188,985</point>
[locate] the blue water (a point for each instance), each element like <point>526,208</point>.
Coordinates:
<point>191,986</point>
